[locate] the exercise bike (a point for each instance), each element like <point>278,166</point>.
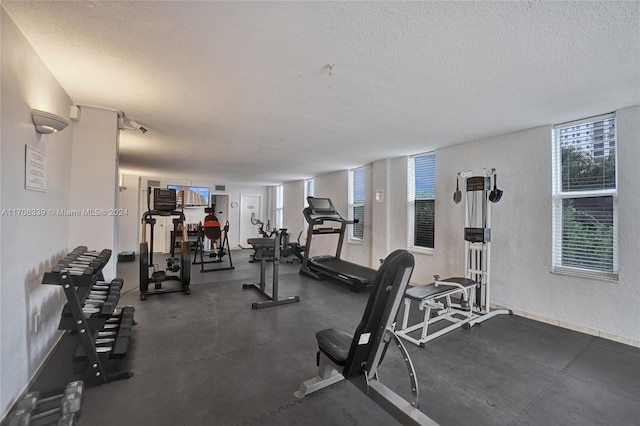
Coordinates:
<point>178,269</point>
<point>285,248</point>
<point>260,224</point>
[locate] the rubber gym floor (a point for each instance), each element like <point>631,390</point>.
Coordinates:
<point>208,359</point>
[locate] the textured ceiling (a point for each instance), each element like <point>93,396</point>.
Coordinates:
<point>241,92</point>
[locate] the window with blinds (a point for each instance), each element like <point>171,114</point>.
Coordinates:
<point>279,206</point>
<point>585,198</point>
<point>357,193</point>
<point>309,188</point>
<point>421,190</point>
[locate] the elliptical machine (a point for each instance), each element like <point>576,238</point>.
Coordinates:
<point>164,204</point>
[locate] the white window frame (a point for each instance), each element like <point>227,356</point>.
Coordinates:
<point>309,190</point>
<point>279,206</point>
<point>559,195</point>
<point>353,204</point>
<point>411,204</point>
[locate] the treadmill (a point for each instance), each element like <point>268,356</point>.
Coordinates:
<point>321,210</point>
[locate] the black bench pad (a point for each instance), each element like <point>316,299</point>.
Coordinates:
<point>431,291</point>
<point>262,243</point>
<point>334,344</point>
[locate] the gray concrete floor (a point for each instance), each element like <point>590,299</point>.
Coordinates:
<point>208,359</point>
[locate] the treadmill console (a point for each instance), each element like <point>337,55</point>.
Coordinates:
<point>321,205</point>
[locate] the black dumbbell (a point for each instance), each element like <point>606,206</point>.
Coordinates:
<point>69,406</point>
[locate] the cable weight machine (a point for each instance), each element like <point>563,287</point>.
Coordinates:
<point>459,301</point>
<point>478,196</point>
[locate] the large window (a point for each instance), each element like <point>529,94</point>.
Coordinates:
<point>309,189</point>
<point>356,201</point>
<point>585,198</point>
<point>279,206</point>
<point>421,192</point>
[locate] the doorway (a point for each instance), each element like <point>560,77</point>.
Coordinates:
<point>221,204</point>
<point>249,204</point>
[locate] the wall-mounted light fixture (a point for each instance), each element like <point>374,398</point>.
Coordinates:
<point>137,126</point>
<point>47,122</point>
<point>125,123</point>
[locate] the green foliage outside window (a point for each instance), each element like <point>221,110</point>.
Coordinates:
<point>425,211</point>
<point>587,233</point>
<point>588,222</point>
<point>581,171</point>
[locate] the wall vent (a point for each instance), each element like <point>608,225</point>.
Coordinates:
<point>220,188</point>
<point>155,183</point>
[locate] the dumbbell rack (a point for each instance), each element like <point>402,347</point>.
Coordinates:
<point>80,275</point>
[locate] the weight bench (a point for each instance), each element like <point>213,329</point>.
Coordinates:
<point>268,248</point>
<point>436,301</point>
<point>356,358</point>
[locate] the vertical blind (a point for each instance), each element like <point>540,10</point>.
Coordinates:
<point>358,192</point>
<point>421,197</point>
<point>585,198</point>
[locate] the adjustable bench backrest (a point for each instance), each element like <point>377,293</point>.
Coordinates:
<point>212,227</point>
<point>359,356</point>
<point>382,308</point>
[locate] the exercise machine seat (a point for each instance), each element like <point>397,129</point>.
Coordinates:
<point>430,291</point>
<point>334,344</point>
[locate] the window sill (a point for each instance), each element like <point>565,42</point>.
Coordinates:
<point>582,273</point>
<point>355,242</point>
<point>422,250</point>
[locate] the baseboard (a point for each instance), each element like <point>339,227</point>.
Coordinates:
<point>33,378</point>
<point>585,330</point>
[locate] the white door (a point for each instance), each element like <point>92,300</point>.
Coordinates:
<point>249,204</point>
